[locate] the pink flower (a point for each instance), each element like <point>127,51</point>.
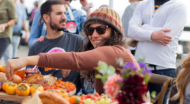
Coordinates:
<point>111,87</point>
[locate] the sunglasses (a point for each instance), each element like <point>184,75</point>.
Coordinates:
<point>100,30</point>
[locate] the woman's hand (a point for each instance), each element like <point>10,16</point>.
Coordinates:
<point>84,2</point>
<point>2,27</point>
<point>14,65</point>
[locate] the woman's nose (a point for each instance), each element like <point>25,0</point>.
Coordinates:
<point>95,34</point>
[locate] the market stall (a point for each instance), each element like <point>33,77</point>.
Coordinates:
<point>129,86</point>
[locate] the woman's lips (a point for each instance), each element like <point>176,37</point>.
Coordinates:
<point>97,41</point>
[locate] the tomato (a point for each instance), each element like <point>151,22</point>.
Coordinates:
<point>94,98</point>
<point>46,88</point>
<point>89,96</point>
<point>82,98</point>
<point>11,88</point>
<point>96,94</point>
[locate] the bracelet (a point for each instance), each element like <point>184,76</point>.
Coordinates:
<point>90,5</point>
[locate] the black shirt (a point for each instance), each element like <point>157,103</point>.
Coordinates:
<point>159,3</point>
<point>68,42</point>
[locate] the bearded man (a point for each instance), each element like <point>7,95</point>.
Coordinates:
<point>57,41</point>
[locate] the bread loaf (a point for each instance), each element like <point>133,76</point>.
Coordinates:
<point>51,79</point>
<point>17,79</point>
<point>33,78</point>
<point>52,98</point>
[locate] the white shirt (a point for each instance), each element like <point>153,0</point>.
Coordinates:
<point>171,15</point>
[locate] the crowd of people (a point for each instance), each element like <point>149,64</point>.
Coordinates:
<point>55,43</point>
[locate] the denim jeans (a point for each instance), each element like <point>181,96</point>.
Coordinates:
<point>155,87</point>
<point>87,89</point>
<point>11,49</point>
<point>4,43</point>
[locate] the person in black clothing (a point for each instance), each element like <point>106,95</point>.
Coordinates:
<point>57,41</point>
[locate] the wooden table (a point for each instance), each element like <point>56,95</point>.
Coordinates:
<point>14,98</point>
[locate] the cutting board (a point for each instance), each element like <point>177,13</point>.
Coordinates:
<point>14,98</point>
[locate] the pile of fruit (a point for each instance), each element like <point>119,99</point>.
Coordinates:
<point>68,86</point>
<point>24,89</point>
<point>91,99</point>
<point>36,82</point>
<point>21,89</point>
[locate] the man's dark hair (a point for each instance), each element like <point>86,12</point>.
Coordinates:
<point>46,7</point>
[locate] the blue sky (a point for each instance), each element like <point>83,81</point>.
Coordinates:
<point>119,5</point>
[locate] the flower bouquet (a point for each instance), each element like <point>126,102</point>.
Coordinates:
<point>127,87</point>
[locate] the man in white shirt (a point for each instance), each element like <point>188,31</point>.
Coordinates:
<point>128,13</point>
<point>157,26</point>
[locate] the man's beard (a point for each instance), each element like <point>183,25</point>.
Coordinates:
<point>56,27</point>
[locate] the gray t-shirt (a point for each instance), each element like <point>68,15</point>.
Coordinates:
<point>128,13</point>
<point>67,42</point>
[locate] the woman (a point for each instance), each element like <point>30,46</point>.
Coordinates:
<point>183,83</point>
<point>7,19</point>
<point>104,42</point>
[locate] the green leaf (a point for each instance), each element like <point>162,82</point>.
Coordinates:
<point>146,78</point>
<point>120,62</point>
<point>141,59</point>
<point>98,76</point>
<point>97,68</point>
<point>120,84</point>
<point>102,67</point>
<point>153,94</point>
<point>111,70</point>
<point>104,78</point>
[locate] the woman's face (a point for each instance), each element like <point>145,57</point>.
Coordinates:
<point>99,35</point>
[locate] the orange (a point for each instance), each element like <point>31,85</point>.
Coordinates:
<point>2,68</point>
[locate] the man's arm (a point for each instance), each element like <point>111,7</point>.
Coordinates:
<point>135,31</point>
<point>84,3</point>
<point>25,27</point>
<point>83,16</point>
<point>36,30</point>
<point>173,24</point>
<point>175,21</point>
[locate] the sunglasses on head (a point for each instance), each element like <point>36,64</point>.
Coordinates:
<point>100,30</point>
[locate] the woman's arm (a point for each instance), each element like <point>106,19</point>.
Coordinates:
<point>11,15</point>
<point>14,65</point>
<point>87,60</point>
<point>5,25</point>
